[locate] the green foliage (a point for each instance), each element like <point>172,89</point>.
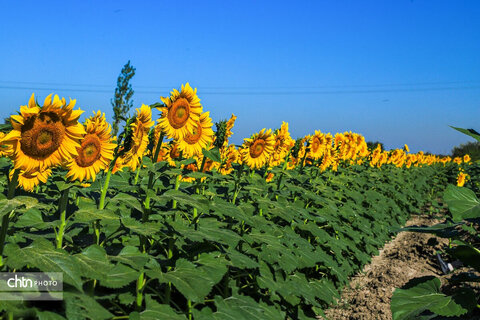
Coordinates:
<point>425,295</point>
<point>470,148</point>
<point>461,227</point>
<point>122,101</point>
<point>371,145</point>
<point>231,247</point>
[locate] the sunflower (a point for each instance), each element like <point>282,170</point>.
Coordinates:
<point>229,127</point>
<point>181,112</point>
<point>95,152</point>
<point>269,177</point>
<point>139,140</point>
<point>466,158</point>
<point>5,149</point>
<point>257,149</point>
<point>43,137</point>
<point>462,178</point>
<point>198,138</point>
<point>317,145</point>
<point>28,180</point>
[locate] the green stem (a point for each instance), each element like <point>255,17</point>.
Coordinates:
<point>101,204</point>
<point>283,169</point>
<point>189,302</point>
<point>12,185</point>
<point>177,185</point>
<point>151,175</point>
<point>171,240</point>
<point>135,181</point>
<point>140,285</point>
<point>62,208</point>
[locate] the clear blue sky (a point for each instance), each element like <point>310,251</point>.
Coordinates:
<point>395,71</point>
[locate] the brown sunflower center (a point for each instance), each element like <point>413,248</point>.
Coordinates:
<point>90,151</point>
<point>42,135</point>
<point>179,113</point>
<point>257,148</point>
<point>194,137</point>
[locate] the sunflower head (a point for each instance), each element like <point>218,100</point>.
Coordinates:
<point>200,137</point>
<point>43,137</point>
<point>95,152</point>
<point>136,139</point>
<point>180,112</point>
<point>258,148</point>
<point>28,180</point>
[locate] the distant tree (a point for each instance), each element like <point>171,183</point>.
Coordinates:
<point>122,102</point>
<point>470,148</point>
<point>373,145</point>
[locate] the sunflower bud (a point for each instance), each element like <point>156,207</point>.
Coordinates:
<point>220,133</point>
<point>296,147</point>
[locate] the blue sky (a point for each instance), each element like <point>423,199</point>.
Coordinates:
<point>395,71</point>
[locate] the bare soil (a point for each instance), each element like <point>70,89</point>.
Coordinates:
<point>409,255</point>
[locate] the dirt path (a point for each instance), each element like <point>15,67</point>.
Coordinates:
<point>408,256</point>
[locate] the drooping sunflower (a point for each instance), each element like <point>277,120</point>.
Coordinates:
<point>200,137</point>
<point>139,140</point>
<point>95,152</point>
<point>47,136</point>
<point>28,180</point>
<point>257,149</point>
<point>181,112</point>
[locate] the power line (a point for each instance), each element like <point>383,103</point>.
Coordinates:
<point>440,83</point>
<point>285,92</point>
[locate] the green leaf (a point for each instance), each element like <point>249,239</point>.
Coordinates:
<point>239,307</point>
<point>469,132</point>
<point>143,228</point>
<point>425,295</point>
<point>213,154</point>
<point>155,310</point>
<point>41,254</point>
<point>47,315</point>
<point>192,281</point>
<point>8,205</point>
<point>93,214</point>
<point>82,306</point>
<point>462,202</point>
<point>119,277</point>
<point>468,255</point>
<point>94,263</point>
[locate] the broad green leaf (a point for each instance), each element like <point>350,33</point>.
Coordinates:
<point>82,306</point>
<point>94,263</point>
<point>462,202</point>
<point>240,307</point>
<point>155,311</point>
<point>425,295</point>
<point>192,281</point>
<point>119,277</point>
<point>213,154</point>
<point>93,214</point>
<point>47,315</point>
<point>469,132</point>
<point>41,254</point>
<point>468,255</point>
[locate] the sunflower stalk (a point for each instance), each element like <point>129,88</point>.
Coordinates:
<point>12,186</point>
<point>62,208</point>
<point>284,167</point>
<point>151,176</point>
<point>171,240</point>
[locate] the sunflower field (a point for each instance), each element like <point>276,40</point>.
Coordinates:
<point>170,220</point>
